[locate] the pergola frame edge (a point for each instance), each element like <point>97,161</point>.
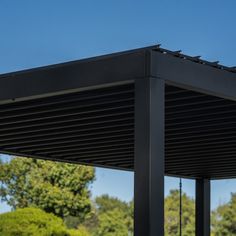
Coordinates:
<point>149,69</point>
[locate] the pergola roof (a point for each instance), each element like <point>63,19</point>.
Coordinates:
<point>84,112</point>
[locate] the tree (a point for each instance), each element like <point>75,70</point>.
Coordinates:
<point>82,231</point>
<point>30,221</point>
<point>55,187</point>
<point>111,217</point>
<point>112,223</point>
<point>115,217</point>
<point>34,222</point>
<point>106,203</point>
<point>224,218</point>
<point>172,214</point>
<point>62,189</point>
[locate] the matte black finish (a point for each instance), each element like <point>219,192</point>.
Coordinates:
<point>175,68</point>
<point>96,127</point>
<point>203,207</point>
<point>149,157</point>
<point>150,110</point>
<point>73,76</point>
<point>193,73</point>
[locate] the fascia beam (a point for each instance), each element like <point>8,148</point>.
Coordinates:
<point>198,77</point>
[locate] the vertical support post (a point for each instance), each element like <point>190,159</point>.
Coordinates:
<point>203,208</point>
<point>149,157</point>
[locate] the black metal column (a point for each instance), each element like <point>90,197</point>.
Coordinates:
<point>203,208</point>
<point>149,157</point>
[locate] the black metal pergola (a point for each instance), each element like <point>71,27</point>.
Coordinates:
<point>152,111</point>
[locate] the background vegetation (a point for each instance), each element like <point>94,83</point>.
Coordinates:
<point>33,221</point>
<point>53,199</point>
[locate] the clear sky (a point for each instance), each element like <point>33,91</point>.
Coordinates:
<point>37,33</point>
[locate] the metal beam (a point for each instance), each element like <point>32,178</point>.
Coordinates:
<point>114,69</point>
<point>203,209</point>
<point>149,158</point>
<point>192,75</point>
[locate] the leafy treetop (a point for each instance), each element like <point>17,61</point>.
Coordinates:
<point>35,222</point>
<point>55,187</point>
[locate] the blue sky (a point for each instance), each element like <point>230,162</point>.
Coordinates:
<point>37,33</point>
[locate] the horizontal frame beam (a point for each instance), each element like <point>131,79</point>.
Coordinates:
<point>113,69</point>
<point>192,75</point>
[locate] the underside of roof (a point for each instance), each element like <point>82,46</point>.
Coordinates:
<point>95,126</point>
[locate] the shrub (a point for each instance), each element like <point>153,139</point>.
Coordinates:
<point>78,232</point>
<point>31,222</point>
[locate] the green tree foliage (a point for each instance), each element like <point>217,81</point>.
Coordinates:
<point>112,217</point>
<point>115,217</point>
<point>224,218</point>
<point>35,222</point>
<point>55,187</point>
<point>112,223</point>
<point>62,189</point>
<point>31,221</point>
<point>82,231</point>
<point>106,203</point>
<point>172,215</point>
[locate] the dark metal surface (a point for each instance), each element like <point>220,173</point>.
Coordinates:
<point>83,112</point>
<point>93,127</point>
<point>72,76</point>
<point>150,110</point>
<point>180,207</point>
<point>97,127</point>
<point>196,59</point>
<point>200,135</point>
<point>203,207</point>
<point>174,67</point>
<point>198,76</point>
<point>149,158</point>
